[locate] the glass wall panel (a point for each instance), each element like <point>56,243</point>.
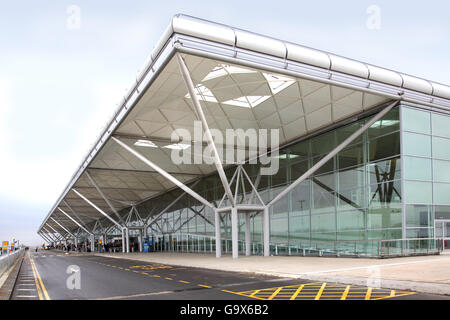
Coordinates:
<point>300,199</point>
<point>323,222</point>
<point>420,233</point>
<point>441,171</point>
<point>440,125</point>
<point>441,148</point>
<point>416,120</point>
<point>442,212</point>
<point>351,220</point>
<point>384,194</point>
<point>385,170</point>
<point>351,178</point>
<point>416,144</point>
<point>298,225</point>
<point>441,192</point>
<point>389,123</point>
<point>384,147</point>
<point>323,143</point>
<point>379,218</point>
<point>418,192</point>
<point>351,156</point>
<point>419,216</point>
<point>417,168</point>
<point>351,199</point>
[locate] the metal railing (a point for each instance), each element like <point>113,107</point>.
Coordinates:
<point>7,260</point>
<point>196,243</point>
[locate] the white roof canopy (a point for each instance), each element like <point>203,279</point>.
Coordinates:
<point>243,80</point>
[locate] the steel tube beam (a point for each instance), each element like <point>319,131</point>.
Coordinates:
<point>59,224</point>
<point>330,155</point>
<point>74,213</point>
<point>49,234</point>
<point>68,216</point>
<point>103,196</point>
<point>234,232</point>
<point>164,173</point>
<point>191,89</point>
<point>97,208</point>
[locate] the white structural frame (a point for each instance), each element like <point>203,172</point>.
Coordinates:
<point>185,36</point>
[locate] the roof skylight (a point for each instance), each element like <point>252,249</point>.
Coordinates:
<point>145,143</point>
<point>225,69</point>
<point>247,101</point>
<point>277,83</point>
<point>203,93</point>
<point>178,146</point>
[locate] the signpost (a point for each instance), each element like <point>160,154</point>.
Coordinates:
<point>5,247</point>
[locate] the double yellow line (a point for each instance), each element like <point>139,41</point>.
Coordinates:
<point>42,292</point>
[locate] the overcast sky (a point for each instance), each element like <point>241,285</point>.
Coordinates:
<point>59,84</point>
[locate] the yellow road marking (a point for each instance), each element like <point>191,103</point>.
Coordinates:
<point>155,275</point>
<point>345,293</point>
<point>40,280</point>
<point>297,292</point>
<point>202,285</point>
<point>36,281</point>
<point>274,294</point>
<point>182,281</point>
<point>168,278</point>
<point>369,292</point>
<point>319,294</point>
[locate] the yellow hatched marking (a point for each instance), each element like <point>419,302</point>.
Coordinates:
<point>368,294</point>
<point>345,293</point>
<point>274,294</point>
<point>297,292</point>
<point>319,294</point>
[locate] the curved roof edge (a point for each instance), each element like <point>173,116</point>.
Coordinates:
<point>208,30</point>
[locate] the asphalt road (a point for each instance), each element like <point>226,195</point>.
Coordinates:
<point>56,275</point>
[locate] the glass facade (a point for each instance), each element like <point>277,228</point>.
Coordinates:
<point>392,182</point>
<point>426,163</point>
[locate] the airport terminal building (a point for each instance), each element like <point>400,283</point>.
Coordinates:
<point>362,155</point>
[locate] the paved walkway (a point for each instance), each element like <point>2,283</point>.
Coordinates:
<point>428,274</point>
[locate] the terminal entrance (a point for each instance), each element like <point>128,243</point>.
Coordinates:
<point>442,231</point>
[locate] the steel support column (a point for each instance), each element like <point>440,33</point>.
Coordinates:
<point>234,232</point>
<point>247,234</point>
<point>217,161</point>
<point>266,232</point>
<point>218,236</point>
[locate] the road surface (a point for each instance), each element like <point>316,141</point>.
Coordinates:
<point>48,275</point>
